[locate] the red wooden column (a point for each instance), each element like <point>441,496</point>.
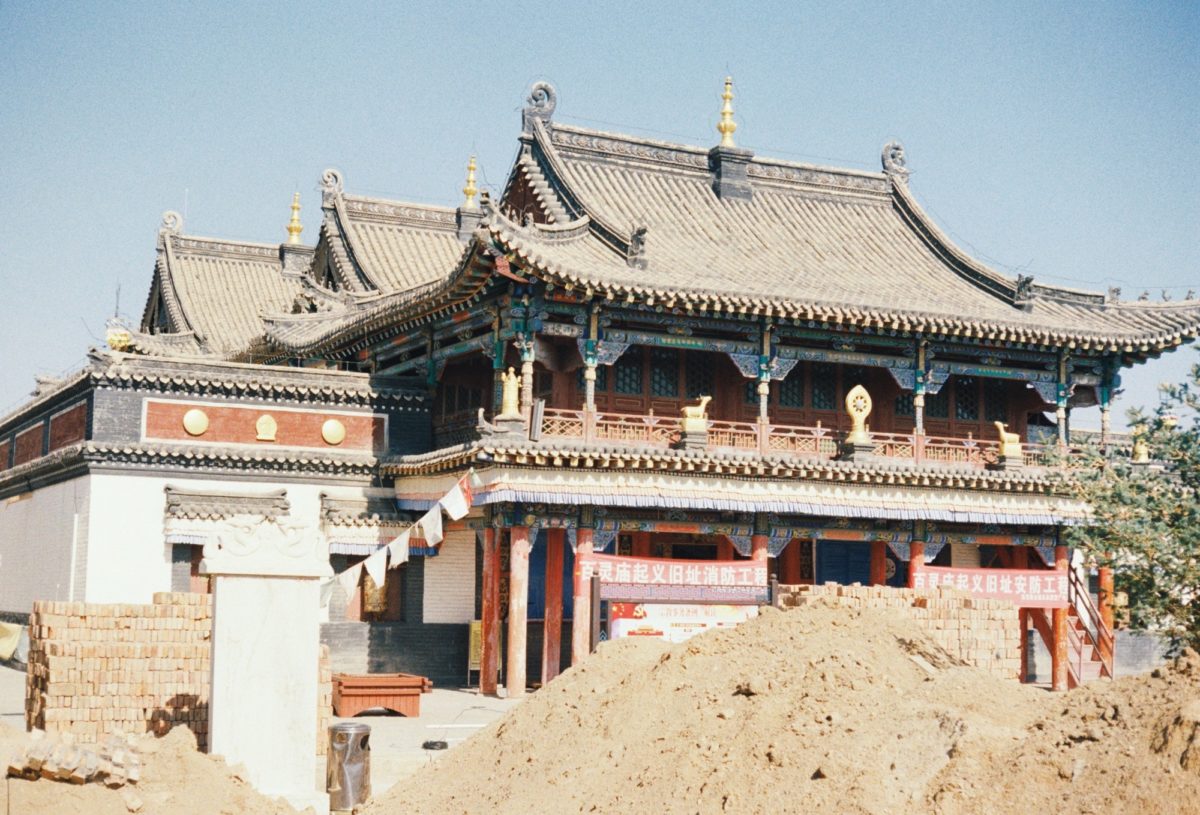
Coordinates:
<point>641,544</point>
<point>724,548</point>
<point>916,559</point>
<point>789,562</point>
<point>552,628</point>
<point>1104,597</point>
<point>518,608</point>
<point>1058,660</point>
<point>758,547</point>
<point>1023,624</point>
<point>581,619</point>
<point>878,563</point>
<point>489,663</point>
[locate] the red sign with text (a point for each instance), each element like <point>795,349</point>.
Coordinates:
<point>643,579</point>
<point>1028,588</point>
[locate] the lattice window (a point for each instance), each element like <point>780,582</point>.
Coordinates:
<point>824,386</point>
<point>995,400</point>
<point>904,404</point>
<point>791,390</point>
<point>937,405</point>
<point>699,374</point>
<point>966,399</point>
<point>853,375</point>
<point>751,394</point>
<point>628,372</point>
<point>664,372</point>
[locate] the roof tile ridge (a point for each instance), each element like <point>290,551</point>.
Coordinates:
<point>609,135</point>
<point>979,273</point>
<point>397,202</point>
<point>615,238</point>
<point>403,213</point>
<point>170,294</point>
<point>343,248</point>
<point>818,168</point>
<point>233,244</point>
<point>542,188</point>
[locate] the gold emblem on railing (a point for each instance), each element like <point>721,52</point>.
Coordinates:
<point>858,405</point>
<point>695,417</point>
<point>1010,443</point>
<point>265,428</point>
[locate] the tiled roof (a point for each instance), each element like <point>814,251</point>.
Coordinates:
<point>812,243</point>
<point>214,293</point>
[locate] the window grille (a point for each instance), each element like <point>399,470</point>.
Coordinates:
<point>966,399</point>
<point>699,374</point>
<point>824,386</point>
<point>904,404</point>
<point>791,390</point>
<point>995,400</point>
<point>751,394</point>
<point>853,375</point>
<point>628,372</point>
<point>664,372</point>
<point>937,405</point>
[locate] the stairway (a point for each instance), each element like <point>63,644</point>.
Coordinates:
<point>1090,644</point>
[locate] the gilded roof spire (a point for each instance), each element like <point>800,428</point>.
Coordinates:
<point>470,191</point>
<point>727,125</point>
<point>294,227</point>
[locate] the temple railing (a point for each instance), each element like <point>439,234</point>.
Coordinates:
<point>767,438</point>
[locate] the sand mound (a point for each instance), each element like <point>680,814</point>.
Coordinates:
<point>818,710</point>
<point>176,778</point>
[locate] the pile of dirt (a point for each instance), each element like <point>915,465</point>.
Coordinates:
<point>176,778</point>
<point>821,710</point>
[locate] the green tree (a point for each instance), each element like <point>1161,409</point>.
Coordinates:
<point>1146,516</point>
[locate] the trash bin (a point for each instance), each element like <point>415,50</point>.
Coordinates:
<point>348,765</point>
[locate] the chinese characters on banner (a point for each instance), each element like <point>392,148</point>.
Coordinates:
<point>1028,588</point>
<point>661,580</point>
<point>673,622</point>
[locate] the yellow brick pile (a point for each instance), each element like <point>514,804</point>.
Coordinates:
<point>97,669</point>
<point>983,633</point>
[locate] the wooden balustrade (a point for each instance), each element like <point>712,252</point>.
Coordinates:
<point>775,439</point>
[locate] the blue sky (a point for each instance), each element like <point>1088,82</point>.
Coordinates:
<point>1058,140</point>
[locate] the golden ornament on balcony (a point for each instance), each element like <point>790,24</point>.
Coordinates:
<point>333,432</point>
<point>509,404</point>
<point>1010,443</point>
<point>858,406</point>
<point>195,422</point>
<point>695,417</point>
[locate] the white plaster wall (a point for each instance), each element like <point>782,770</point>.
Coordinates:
<point>450,580</point>
<point>128,559</point>
<point>37,533</point>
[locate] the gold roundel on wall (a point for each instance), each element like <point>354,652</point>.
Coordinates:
<point>195,422</point>
<point>333,432</point>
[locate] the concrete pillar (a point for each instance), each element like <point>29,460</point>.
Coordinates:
<point>916,559</point>
<point>581,619</point>
<point>552,629</point>
<point>518,608</point>
<point>758,547</point>
<point>489,667</point>
<point>265,645</point>
<point>1058,660</point>
<point>878,563</point>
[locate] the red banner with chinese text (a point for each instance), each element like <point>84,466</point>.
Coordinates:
<point>1027,588</point>
<point>642,579</point>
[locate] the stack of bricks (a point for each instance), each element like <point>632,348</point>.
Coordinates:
<point>982,633</point>
<point>97,669</point>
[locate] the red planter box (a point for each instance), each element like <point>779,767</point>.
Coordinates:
<point>401,693</point>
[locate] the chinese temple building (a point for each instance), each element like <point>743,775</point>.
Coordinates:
<point>640,349</point>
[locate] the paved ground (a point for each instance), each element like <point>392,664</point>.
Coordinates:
<point>446,715</point>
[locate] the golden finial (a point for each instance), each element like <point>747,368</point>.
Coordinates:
<point>727,125</point>
<point>470,190</point>
<point>294,226</point>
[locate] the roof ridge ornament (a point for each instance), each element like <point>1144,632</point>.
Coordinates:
<point>895,162</point>
<point>469,216</point>
<point>470,190</point>
<point>1023,294</point>
<point>635,250</point>
<point>294,227</point>
<point>727,125</point>
<point>172,223</point>
<point>331,186</point>
<point>543,99</point>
